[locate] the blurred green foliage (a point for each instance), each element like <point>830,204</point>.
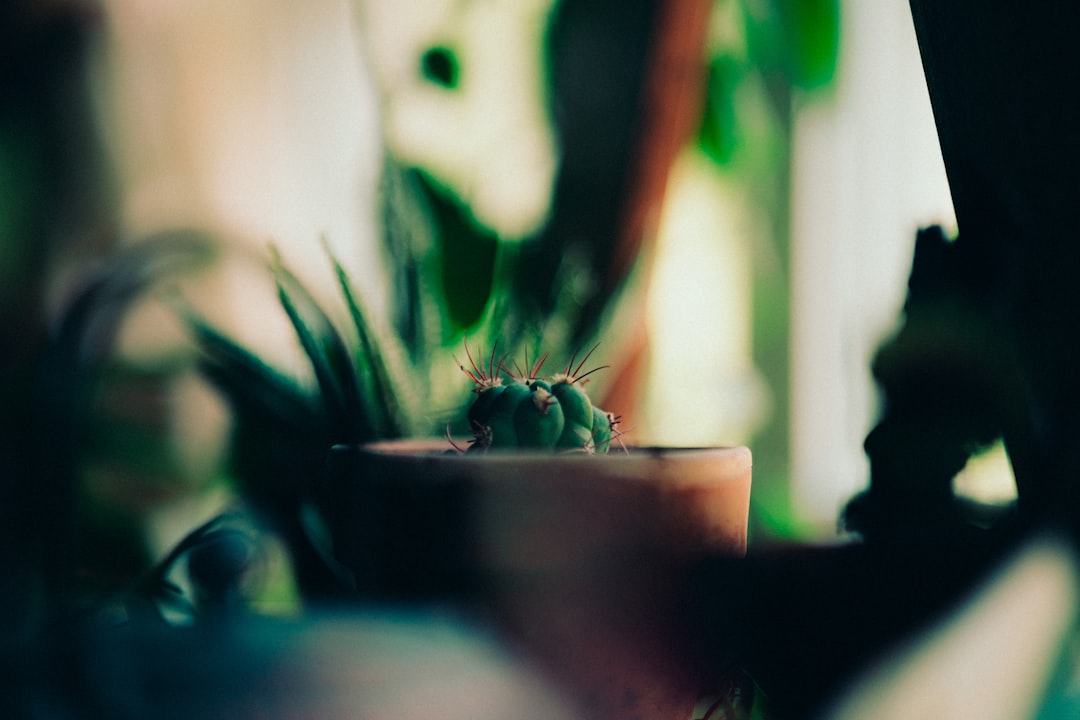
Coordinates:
<point>766,57</point>
<point>789,44</point>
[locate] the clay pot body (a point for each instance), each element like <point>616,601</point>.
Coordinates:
<point>575,559</point>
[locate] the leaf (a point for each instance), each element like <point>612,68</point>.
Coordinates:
<point>250,384</point>
<point>154,589</point>
<point>798,39</point>
<point>329,357</point>
<point>719,135</point>
<point>469,255</point>
<point>812,31</point>
<point>417,314</point>
<point>380,386</point>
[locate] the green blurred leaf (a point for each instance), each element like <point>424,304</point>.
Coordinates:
<point>372,369</point>
<point>468,259</point>
<point>812,28</point>
<point>254,388</point>
<point>799,39</point>
<point>20,180</point>
<point>350,418</point>
<point>720,133</point>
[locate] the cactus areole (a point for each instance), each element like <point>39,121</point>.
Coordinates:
<point>523,410</point>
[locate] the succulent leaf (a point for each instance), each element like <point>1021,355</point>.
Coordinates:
<point>373,370</point>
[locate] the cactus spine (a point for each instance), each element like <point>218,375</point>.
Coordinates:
<point>525,410</point>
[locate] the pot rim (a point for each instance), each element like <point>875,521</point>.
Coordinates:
<point>438,449</point>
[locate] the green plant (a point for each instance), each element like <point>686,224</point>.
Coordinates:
<point>779,47</point>
<point>369,388</point>
<point>523,410</point>
<point>364,390</point>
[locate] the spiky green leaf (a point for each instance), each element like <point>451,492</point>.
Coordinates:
<point>381,389</point>
<point>252,386</point>
<point>329,357</point>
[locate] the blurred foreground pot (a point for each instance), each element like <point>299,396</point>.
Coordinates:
<point>368,663</point>
<point>577,559</point>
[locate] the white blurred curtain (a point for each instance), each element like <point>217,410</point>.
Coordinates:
<point>867,173</point>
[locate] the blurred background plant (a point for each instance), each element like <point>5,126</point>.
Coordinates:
<point>724,194</point>
<point>496,173</point>
<point>767,62</point>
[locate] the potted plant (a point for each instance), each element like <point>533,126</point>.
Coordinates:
<point>546,523</point>
<point>574,558</point>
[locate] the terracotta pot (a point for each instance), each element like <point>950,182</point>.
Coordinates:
<point>574,558</point>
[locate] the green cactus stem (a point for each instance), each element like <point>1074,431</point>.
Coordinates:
<point>521,409</point>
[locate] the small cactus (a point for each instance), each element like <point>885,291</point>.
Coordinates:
<point>524,410</point>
